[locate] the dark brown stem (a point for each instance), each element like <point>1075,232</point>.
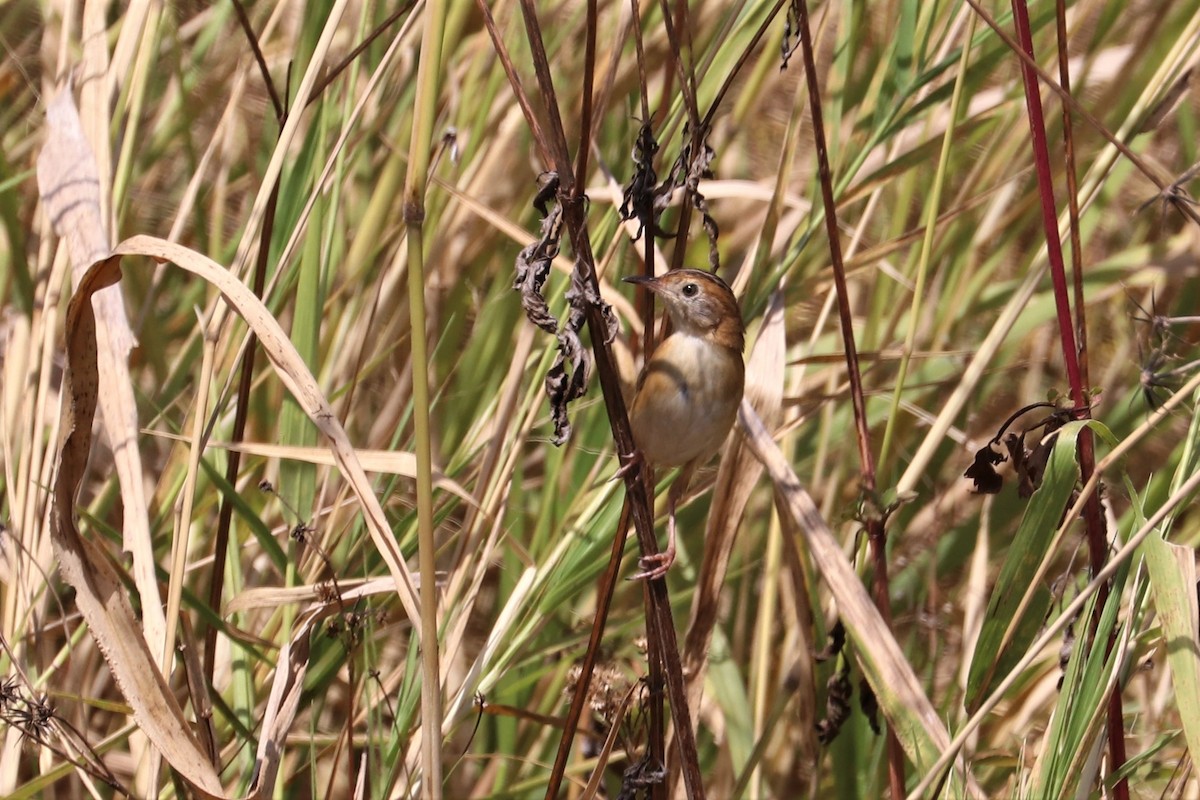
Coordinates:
<point>216,582</point>
<point>604,594</point>
<point>514,81</point>
<point>552,139</point>
<point>687,86</point>
<point>873,518</point>
<point>332,75</point>
<point>252,38</point>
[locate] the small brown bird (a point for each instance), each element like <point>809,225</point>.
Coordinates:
<point>688,393</point>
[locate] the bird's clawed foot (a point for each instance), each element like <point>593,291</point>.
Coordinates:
<point>632,462</point>
<point>655,566</point>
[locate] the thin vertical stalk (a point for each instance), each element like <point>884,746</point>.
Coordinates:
<point>241,409</point>
<point>659,623</point>
<point>420,146</point>
<point>1092,515</point>
<point>873,518</point>
<point>1064,77</point>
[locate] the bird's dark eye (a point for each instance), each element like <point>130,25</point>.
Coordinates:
<point>690,290</point>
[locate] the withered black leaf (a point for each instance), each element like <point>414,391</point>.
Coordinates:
<point>1030,464</point>
<point>837,705</point>
<point>534,263</point>
<point>640,776</point>
<point>568,377</point>
<point>983,470</point>
<point>869,705</point>
<point>637,201</point>
<point>700,169</point>
<point>547,191</point>
<point>791,34</point>
<point>837,640</point>
<point>564,386</point>
<point>688,170</point>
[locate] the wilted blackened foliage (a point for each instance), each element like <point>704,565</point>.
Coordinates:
<point>791,34</point>
<point>837,640</point>
<point>1029,464</point>
<point>535,260</point>
<point>1064,653</point>
<point>638,200</point>
<point>563,384</point>
<point>983,470</point>
<point>869,704</point>
<point>640,777</point>
<point>837,704</point>
<point>688,170</point>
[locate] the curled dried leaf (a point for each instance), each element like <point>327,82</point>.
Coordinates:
<point>564,385</point>
<point>983,470</point>
<point>1030,463</point>
<point>99,592</point>
<point>533,267</point>
<point>791,34</point>
<point>838,692</point>
<point>837,640</point>
<point>699,170</point>
<point>571,371</point>
<point>869,705</point>
<point>640,777</point>
<point>638,199</point>
<point>691,167</point>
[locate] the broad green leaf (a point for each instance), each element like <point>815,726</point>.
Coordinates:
<point>1006,630</point>
<point>1173,585</point>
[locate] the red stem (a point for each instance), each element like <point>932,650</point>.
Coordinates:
<point>1094,521</point>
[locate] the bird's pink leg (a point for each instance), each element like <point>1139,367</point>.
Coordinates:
<point>656,565</point>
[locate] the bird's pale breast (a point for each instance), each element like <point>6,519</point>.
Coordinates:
<point>687,400</point>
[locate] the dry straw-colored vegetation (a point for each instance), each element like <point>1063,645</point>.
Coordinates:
<point>224,590</point>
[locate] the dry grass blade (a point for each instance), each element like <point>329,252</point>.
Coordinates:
<point>386,462</point>
<point>286,692</point>
<point>909,711</point>
<point>273,597</point>
<point>1158,114</point>
<point>300,382</point>
<point>98,591</point>
<point>70,187</point>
